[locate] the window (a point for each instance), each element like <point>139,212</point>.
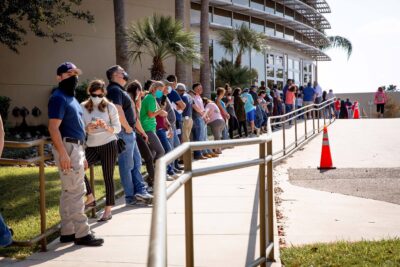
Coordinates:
<point>239,19</point>
<point>245,58</point>
<point>257,4</point>
<point>257,63</point>
<point>270,6</point>
<point>270,72</point>
<point>222,17</point>
<point>241,2</point>
<point>270,28</point>
<point>257,24</point>
<point>279,31</point>
<point>279,10</point>
<point>195,13</point>
<point>219,52</point>
<point>289,34</point>
<point>289,13</point>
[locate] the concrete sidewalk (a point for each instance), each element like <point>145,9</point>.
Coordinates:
<point>225,225</point>
<point>318,216</point>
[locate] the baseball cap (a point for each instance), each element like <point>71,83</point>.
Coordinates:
<point>67,66</point>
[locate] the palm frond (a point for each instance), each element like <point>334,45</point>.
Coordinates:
<point>339,42</point>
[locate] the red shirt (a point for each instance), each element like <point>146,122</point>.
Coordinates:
<point>337,105</point>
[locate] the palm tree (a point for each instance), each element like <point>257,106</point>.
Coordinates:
<point>240,39</point>
<point>180,67</point>
<point>161,37</point>
<point>205,70</point>
<point>339,42</point>
<point>227,72</point>
<point>121,45</point>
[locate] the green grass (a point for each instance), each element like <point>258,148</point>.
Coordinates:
<point>19,201</point>
<point>364,253</point>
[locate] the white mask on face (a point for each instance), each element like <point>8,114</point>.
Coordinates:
<point>169,89</point>
<point>96,100</point>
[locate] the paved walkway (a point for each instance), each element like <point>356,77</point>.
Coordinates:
<point>319,216</point>
<point>225,225</point>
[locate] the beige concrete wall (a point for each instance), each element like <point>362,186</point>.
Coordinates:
<point>27,78</point>
<point>365,99</point>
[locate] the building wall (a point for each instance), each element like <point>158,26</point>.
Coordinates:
<point>28,77</point>
<point>366,101</point>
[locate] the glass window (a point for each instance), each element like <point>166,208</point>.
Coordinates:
<point>290,75</point>
<point>279,31</point>
<point>279,60</point>
<point>289,13</point>
<point>257,63</point>
<point>270,83</point>
<point>290,64</point>
<point>239,19</point>
<point>270,6</point>
<point>296,77</point>
<point>279,10</point>
<point>195,13</point>
<point>270,59</point>
<point>241,2</point>
<point>257,4</point>
<point>270,72</point>
<point>270,28</point>
<point>289,34</point>
<point>257,24</point>
<point>296,65</point>
<point>222,17</point>
<point>279,73</point>
<point>280,85</point>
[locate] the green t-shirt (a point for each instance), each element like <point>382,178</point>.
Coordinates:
<point>148,104</point>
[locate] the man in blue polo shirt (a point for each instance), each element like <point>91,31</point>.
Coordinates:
<point>250,109</point>
<point>308,97</point>
<point>67,132</point>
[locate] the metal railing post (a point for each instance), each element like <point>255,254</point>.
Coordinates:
<point>262,201</point>
<point>270,192</point>
<point>313,120</point>
<point>42,197</point>
<point>284,138</point>
<point>187,160</point>
<point>93,190</point>
<point>295,131</point>
<point>325,109</point>
<point>305,125</point>
<point>318,120</point>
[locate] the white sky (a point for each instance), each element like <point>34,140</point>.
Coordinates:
<point>373,27</point>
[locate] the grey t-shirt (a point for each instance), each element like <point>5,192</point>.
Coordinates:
<point>171,113</point>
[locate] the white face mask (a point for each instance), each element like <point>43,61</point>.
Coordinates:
<point>96,100</point>
<point>169,89</point>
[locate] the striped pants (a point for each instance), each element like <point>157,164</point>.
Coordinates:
<point>107,155</point>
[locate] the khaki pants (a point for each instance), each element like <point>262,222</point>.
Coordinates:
<point>73,218</point>
<point>186,129</point>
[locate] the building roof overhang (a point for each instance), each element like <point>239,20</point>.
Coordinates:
<point>316,36</point>
<point>311,51</point>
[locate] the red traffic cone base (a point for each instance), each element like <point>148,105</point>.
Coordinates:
<point>326,158</point>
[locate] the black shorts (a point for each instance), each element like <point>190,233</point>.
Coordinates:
<point>380,108</point>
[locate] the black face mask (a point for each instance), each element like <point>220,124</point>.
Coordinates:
<point>69,85</point>
<point>126,76</point>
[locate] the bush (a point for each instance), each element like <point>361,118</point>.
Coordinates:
<point>80,92</point>
<point>392,108</point>
<point>4,107</point>
<point>227,72</point>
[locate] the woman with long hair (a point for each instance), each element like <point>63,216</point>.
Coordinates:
<point>380,100</point>
<point>102,124</point>
<point>215,121</point>
<point>240,111</point>
<point>135,91</point>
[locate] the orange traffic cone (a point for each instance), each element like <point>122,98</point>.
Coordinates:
<point>326,159</point>
<point>356,113</point>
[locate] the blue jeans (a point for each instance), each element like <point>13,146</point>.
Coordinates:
<point>174,141</point>
<point>205,138</point>
<point>5,234</point>
<point>129,163</point>
<point>162,135</point>
<point>225,133</point>
<point>288,108</point>
<point>197,130</point>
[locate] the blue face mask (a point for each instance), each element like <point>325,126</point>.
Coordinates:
<point>159,94</point>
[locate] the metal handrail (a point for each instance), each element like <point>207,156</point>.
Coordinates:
<point>157,255</point>
<point>314,110</point>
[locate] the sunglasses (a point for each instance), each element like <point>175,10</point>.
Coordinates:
<point>94,95</point>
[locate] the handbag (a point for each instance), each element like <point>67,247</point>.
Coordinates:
<point>121,145</point>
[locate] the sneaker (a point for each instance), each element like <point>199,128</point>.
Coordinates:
<point>131,203</point>
<point>179,167</point>
<point>150,189</point>
<point>89,240</point>
<point>177,171</point>
<point>169,178</point>
<point>67,238</point>
<point>173,175</point>
<point>145,198</point>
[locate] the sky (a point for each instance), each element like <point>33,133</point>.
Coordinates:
<point>373,27</point>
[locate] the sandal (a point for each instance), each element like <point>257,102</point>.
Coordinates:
<point>90,205</point>
<point>103,219</point>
